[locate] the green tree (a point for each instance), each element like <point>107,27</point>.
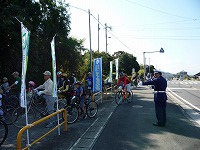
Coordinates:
<point>44,20</point>
<point>127,62</point>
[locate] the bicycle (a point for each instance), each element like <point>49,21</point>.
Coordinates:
<point>74,110</point>
<point>36,104</point>
<point>120,96</point>
<point>3,132</point>
<point>11,99</point>
<point>62,100</point>
<point>7,113</point>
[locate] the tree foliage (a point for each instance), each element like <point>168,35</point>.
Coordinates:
<point>45,20</point>
<point>127,62</point>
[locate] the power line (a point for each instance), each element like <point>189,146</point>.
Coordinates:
<point>103,26</point>
<point>163,38</point>
<point>161,11</point>
<point>79,8</point>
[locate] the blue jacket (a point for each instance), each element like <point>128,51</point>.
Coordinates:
<point>160,84</point>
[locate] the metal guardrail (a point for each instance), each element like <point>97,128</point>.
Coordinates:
<point>20,133</point>
<point>107,89</point>
<point>95,94</point>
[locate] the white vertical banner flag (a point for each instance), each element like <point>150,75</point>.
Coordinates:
<point>25,48</point>
<point>54,91</point>
<point>110,76</point>
<point>116,65</point>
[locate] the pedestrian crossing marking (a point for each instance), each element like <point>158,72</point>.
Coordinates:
<point>184,82</point>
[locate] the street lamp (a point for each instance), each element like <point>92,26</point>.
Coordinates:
<point>160,51</point>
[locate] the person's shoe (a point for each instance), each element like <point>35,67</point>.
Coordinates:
<point>51,124</point>
<point>84,116</point>
<point>158,124</point>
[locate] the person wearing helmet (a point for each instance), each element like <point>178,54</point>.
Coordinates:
<point>72,79</point>
<point>65,88</point>
<point>80,95</point>
<point>126,83</point>
<point>59,80</point>
<point>31,86</point>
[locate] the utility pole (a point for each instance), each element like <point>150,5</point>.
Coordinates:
<point>90,43</point>
<point>98,33</point>
<point>106,35</point>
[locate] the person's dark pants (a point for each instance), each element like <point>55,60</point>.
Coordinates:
<point>160,108</point>
<point>68,98</point>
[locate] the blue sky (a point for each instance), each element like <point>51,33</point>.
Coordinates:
<point>143,26</point>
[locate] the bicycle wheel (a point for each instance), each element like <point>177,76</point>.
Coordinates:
<point>14,101</point>
<point>72,114</point>
<point>19,117</point>
<point>118,97</point>
<point>130,96</point>
<point>61,105</point>
<point>3,132</point>
<point>7,113</point>
<point>91,109</point>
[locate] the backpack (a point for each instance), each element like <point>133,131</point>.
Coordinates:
<point>84,93</point>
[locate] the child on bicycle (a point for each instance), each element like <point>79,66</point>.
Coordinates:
<point>30,89</point>
<point>80,95</point>
<point>126,83</point>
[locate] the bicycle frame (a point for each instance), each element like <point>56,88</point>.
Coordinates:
<point>3,128</point>
<point>32,104</point>
<point>121,96</point>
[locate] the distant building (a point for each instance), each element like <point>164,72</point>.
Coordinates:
<point>182,75</point>
<point>197,76</point>
<point>167,75</point>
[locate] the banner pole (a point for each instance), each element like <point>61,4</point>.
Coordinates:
<point>54,89</point>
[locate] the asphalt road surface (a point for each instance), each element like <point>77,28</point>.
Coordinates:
<point>130,128</point>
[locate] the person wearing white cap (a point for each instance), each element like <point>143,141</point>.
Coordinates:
<point>17,84</point>
<point>160,97</point>
<point>47,94</point>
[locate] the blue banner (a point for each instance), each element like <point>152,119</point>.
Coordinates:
<point>97,75</point>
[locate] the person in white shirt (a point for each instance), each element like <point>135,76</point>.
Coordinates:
<point>47,94</point>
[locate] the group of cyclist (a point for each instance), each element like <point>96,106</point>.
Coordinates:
<point>70,84</point>
<point>66,86</point>
<point>5,89</point>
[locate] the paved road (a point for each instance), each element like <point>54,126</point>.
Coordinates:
<point>188,90</point>
<point>130,128</point>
